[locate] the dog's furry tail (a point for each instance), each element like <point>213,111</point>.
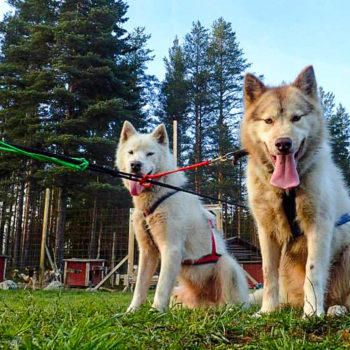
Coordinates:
<point>256,297</point>
<point>232,280</point>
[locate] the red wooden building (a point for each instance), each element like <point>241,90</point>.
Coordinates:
<point>249,257</point>
<point>83,272</point>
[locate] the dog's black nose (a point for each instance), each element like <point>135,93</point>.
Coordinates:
<point>135,166</point>
<point>284,144</point>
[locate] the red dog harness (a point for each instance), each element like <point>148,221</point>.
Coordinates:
<point>211,258</point>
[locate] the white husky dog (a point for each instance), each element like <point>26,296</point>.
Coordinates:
<point>175,228</point>
<point>298,197</point>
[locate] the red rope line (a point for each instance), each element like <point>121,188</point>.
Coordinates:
<point>146,177</point>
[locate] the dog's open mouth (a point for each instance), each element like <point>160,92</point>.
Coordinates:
<point>285,173</point>
<point>134,186</point>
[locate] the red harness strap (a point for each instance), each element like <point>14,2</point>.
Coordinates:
<point>146,177</point>
<point>213,257</point>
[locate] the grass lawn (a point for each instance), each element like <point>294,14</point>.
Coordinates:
<point>82,320</point>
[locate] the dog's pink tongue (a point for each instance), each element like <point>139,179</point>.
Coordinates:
<point>135,188</point>
<point>285,174</point>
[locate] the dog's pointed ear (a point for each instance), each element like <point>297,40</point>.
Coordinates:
<point>306,82</point>
<point>161,135</point>
<point>253,89</point>
<point>127,131</point>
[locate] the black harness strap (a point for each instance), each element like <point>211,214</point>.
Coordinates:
<point>156,204</point>
<point>290,212</point>
<point>289,207</point>
<point>149,234</point>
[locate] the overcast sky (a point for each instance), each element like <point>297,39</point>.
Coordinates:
<point>278,37</point>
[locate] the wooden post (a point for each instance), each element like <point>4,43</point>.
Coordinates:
<point>239,201</point>
<point>131,246</point>
<point>239,222</point>
<point>219,218</point>
<point>113,255</point>
<point>44,234</point>
<point>60,227</point>
<point>175,140</point>
<point>110,273</point>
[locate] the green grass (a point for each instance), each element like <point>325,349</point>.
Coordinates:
<point>82,320</point>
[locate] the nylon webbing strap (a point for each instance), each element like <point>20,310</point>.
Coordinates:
<point>288,202</point>
<point>83,163</point>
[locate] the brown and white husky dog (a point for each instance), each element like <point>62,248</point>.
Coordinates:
<point>298,197</point>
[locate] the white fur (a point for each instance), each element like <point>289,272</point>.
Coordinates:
<point>181,231</point>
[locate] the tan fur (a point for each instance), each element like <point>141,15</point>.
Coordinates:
<point>180,230</point>
<point>311,271</point>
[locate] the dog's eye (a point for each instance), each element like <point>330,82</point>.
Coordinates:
<point>296,118</point>
<point>149,154</point>
<point>269,121</point>
<point>131,152</point>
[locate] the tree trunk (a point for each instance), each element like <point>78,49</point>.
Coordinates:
<point>53,219</point>
<point>92,253</point>
<point>197,145</point>
<point>8,220</point>
<point>99,237</point>
<point>18,232</point>
<point>61,222</point>
<point>220,166</point>
<point>8,230</point>
<point>2,225</point>
<point>221,129</point>
<point>7,235</point>
<point>13,220</point>
<point>29,224</point>
<point>25,223</point>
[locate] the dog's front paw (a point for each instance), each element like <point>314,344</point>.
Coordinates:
<point>132,308</point>
<point>310,310</point>
<point>269,305</point>
<point>159,307</point>
<point>264,311</point>
<point>337,311</point>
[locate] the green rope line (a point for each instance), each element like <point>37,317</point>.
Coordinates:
<point>9,148</point>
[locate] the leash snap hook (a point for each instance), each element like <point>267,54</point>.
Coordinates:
<point>143,182</point>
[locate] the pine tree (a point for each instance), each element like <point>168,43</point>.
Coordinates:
<point>227,68</point>
<point>27,80</point>
<point>197,71</point>
<point>70,75</point>
<point>143,85</point>
<point>327,103</point>
<point>175,97</point>
<point>97,92</point>
<point>339,127</point>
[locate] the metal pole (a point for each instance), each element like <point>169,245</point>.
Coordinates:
<point>175,140</point>
<point>44,234</point>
